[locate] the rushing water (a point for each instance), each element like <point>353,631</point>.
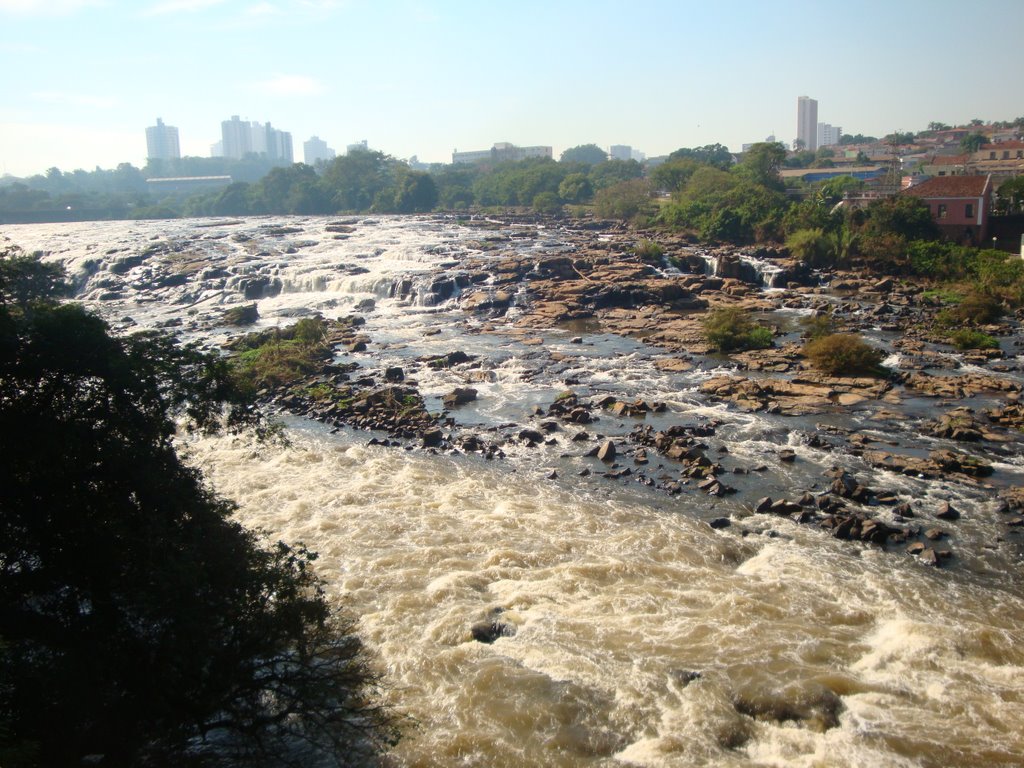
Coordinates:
<point>642,635</point>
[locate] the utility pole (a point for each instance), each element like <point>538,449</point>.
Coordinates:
<point>894,176</point>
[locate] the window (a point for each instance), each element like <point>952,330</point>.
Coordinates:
<point>969,210</point>
<point>942,211</point>
<point>1006,154</point>
<point>991,155</point>
<point>1020,153</point>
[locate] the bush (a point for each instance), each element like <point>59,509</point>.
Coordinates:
<point>812,246</point>
<point>977,309</point>
<point>729,330</point>
<point>649,251</point>
<point>626,200</point>
<point>547,202</point>
<point>816,326</point>
<point>967,338</point>
<point>843,354</point>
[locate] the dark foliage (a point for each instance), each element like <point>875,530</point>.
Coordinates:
<point>139,624</point>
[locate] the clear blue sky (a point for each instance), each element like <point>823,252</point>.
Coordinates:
<point>83,78</point>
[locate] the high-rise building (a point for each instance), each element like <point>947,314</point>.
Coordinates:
<point>236,138</point>
<point>316,149</point>
<point>620,152</point>
<point>240,137</point>
<point>829,135</point>
<point>162,142</point>
<point>807,122</point>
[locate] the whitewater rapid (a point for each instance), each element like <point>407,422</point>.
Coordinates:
<point>642,636</point>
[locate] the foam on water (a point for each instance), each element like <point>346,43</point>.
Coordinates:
<point>642,636</point>
<point>613,602</point>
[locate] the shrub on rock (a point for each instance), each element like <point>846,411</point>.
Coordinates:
<point>844,354</point>
<point>730,330</point>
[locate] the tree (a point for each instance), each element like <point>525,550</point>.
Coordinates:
<point>672,175</point>
<point>900,137</point>
<point>355,180</point>
<point>936,126</point>
<point>575,188</point>
<point>761,164</point>
<point>138,621</point>
<point>811,246</point>
<point>717,155</point>
<point>415,192</point>
<point>238,199</point>
<point>973,142</point>
<point>547,202</point>
<point>625,200</point>
<point>905,216</point>
<point>1010,196</point>
<point>614,172</point>
<point>587,154</point>
<point>857,138</point>
<point>799,159</point>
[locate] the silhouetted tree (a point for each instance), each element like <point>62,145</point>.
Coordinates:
<point>139,624</point>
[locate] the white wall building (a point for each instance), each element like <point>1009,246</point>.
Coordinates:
<point>501,152</point>
<point>162,142</point>
<point>240,137</point>
<point>316,149</point>
<point>807,122</point>
<point>829,135</point>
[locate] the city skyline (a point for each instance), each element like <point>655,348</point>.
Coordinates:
<point>421,80</point>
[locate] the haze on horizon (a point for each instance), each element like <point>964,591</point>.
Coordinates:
<point>419,78</point>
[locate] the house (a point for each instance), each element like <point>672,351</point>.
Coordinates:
<point>1003,158</point>
<point>960,205</point>
<point>946,165</point>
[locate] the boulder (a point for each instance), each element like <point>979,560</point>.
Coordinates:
<point>459,396</point>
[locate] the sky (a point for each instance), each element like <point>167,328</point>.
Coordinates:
<point>83,78</point>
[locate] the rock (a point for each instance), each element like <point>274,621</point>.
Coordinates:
<point>531,436</point>
<point>684,676</point>
<point>947,512</point>
<point>934,534</point>
<point>762,505</point>
<point>606,451</point>
<point>489,631</point>
<point>928,557</point>
<point>459,396</point>
<point>720,522</point>
<point>787,455</point>
<point>394,374</point>
<point>784,507</point>
<point>916,548</point>
<point>432,438</point>
<point>244,315</point>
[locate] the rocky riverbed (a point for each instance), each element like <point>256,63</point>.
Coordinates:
<point>528,472</point>
<point>522,279</point>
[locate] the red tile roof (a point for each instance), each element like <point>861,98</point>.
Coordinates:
<point>1004,145</point>
<point>949,160</point>
<point>951,186</point>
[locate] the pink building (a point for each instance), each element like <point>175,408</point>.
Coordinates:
<point>960,206</point>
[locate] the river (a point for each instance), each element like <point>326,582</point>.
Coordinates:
<point>638,635</point>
